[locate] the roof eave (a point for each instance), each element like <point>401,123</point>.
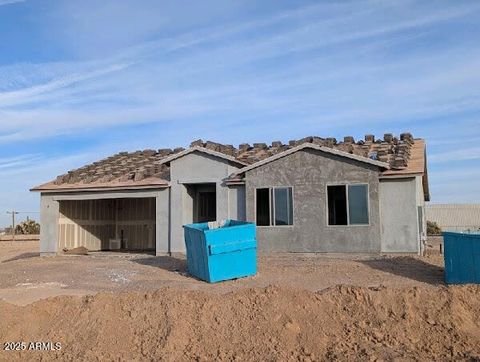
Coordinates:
<point>235,182</point>
<point>401,175</point>
<point>99,188</point>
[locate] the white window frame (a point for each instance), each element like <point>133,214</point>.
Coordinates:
<point>271,216</point>
<point>347,184</point>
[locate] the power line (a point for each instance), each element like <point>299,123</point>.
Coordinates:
<point>26,212</point>
<point>13,213</point>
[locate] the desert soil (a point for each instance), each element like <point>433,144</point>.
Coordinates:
<point>115,306</point>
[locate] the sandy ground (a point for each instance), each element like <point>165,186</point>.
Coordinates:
<point>302,307</point>
<point>25,277</point>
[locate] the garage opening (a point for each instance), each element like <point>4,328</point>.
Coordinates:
<point>108,224</point>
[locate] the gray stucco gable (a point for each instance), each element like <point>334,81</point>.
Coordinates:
<point>312,146</point>
<point>206,152</point>
<point>309,171</point>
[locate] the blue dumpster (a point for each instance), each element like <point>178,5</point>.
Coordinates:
<point>462,258</point>
<point>228,252</point>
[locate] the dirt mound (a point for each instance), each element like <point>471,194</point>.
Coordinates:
<point>341,323</point>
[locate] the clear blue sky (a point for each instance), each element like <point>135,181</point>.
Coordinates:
<point>80,80</point>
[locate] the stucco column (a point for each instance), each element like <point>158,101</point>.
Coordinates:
<point>176,217</point>
<point>162,217</point>
<point>49,214</point>
<point>222,201</point>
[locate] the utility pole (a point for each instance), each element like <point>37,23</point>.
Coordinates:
<point>13,213</point>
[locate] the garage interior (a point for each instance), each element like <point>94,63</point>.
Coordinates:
<point>108,224</point>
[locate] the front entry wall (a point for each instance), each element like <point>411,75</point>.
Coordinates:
<point>197,169</point>
<point>92,223</point>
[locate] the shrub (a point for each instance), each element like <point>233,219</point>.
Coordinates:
<point>433,228</point>
<point>28,227</point>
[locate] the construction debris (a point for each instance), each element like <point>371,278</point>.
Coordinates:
<point>81,250</point>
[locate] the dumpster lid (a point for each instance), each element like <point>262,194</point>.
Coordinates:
<point>228,224</point>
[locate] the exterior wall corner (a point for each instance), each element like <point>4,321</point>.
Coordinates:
<point>49,214</point>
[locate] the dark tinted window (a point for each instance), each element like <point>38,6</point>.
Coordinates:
<point>337,205</point>
<point>263,207</point>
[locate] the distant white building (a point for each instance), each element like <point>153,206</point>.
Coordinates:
<point>454,217</point>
